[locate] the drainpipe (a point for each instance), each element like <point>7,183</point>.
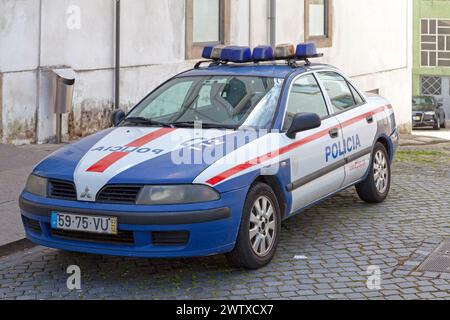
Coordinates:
<point>117,59</point>
<point>273,22</point>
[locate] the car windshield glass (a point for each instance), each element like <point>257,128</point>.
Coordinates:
<point>213,101</point>
<point>422,101</point>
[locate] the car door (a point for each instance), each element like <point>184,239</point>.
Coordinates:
<point>358,126</point>
<point>314,173</point>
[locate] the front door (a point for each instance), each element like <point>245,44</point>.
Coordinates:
<point>314,172</point>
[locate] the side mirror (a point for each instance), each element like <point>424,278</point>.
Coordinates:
<point>439,105</point>
<point>116,117</point>
<point>303,122</point>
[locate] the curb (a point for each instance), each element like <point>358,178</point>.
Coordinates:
<point>15,247</point>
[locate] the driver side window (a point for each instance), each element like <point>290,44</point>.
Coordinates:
<point>305,96</point>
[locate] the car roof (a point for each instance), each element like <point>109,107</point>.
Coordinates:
<point>273,70</point>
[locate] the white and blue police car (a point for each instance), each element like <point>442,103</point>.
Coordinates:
<point>213,160</point>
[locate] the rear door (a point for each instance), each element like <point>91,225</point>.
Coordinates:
<point>358,124</point>
<point>314,175</point>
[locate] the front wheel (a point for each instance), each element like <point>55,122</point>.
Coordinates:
<point>375,188</point>
<point>437,126</point>
<point>259,231</point>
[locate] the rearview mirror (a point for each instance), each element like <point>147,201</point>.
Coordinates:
<point>116,117</point>
<point>303,122</point>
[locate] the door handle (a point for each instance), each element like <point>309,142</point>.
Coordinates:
<point>369,119</point>
<point>334,133</point>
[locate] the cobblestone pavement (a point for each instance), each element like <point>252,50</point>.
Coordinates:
<point>324,253</point>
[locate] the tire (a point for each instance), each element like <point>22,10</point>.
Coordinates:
<point>437,126</point>
<point>260,226</point>
<point>444,124</point>
<point>369,190</point>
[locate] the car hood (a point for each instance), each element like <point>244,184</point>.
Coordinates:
<point>136,156</point>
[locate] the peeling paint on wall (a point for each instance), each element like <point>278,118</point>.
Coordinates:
<point>89,117</point>
<point>20,131</point>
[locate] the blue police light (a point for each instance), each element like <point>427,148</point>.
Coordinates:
<point>236,54</point>
<point>306,50</point>
<point>263,53</point>
<point>207,51</point>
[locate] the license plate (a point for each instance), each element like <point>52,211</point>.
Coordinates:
<point>83,223</point>
<point>416,118</point>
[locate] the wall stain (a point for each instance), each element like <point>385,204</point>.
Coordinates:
<point>89,117</point>
<point>21,130</point>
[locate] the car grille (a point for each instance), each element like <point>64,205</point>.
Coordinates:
<point>62,190</point>
<point>123,237</point>
<point>33,225</point>
<point>170,238</point>
<point>119,194</point>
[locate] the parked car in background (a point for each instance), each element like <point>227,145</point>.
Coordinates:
<point>427,112</point>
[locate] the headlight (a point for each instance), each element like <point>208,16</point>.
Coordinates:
<point>430,113</point>
<point>181,194</point>
<point>36,185</point>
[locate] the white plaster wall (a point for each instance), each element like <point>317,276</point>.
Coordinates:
<point>19,106</point>
<point>19,35</point>
<point>152,32</point>
<point>89,47</point>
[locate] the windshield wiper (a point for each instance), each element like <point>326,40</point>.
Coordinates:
<point>145,121</point>
<point>193,124</point>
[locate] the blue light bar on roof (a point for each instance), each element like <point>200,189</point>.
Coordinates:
<point>306,50</point>
<point>263,53</point>
<point>207,51</point>
<point>236,54</point>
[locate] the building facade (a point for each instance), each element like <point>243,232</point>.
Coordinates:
<point>369,40</point>
<point>431,66</point>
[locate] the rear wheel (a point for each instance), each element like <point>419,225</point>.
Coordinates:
<point>444,123</point>
<point>375,188</point>
<point>259,231</point>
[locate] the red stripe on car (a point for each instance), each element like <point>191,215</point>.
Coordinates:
<point>106,162</point>
<point>246,165</point>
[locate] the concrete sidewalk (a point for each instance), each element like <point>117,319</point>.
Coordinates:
<point>16,164</point>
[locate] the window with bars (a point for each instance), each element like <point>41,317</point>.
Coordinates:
<point>431,86</point>
<point>435,43</point>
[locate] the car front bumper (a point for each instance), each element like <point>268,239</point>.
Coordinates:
<point>143,231</point>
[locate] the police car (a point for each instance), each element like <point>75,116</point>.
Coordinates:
<point>214,160</point>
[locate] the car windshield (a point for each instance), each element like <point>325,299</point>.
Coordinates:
<point>212,101</point>
<point>423,104</point>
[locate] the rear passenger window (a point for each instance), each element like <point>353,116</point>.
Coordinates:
<point>337,88</point>
<point>358,99</point>
<point>305,96</point>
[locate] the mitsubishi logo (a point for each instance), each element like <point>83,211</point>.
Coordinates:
<point>86,194</point>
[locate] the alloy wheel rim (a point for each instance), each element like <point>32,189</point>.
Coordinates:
<point>380,172</point>
<point>262,227</point>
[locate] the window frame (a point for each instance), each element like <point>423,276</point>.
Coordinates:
<point>335,111</point>
<point>320,41</point>
<point>193,50</point>
<point>288,97</point>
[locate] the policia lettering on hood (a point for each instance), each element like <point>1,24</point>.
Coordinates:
<point>341,148</point>
<point>127,149</point>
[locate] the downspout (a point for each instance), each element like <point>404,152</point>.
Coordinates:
<point>273,22</point>
<point>117,59</point>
